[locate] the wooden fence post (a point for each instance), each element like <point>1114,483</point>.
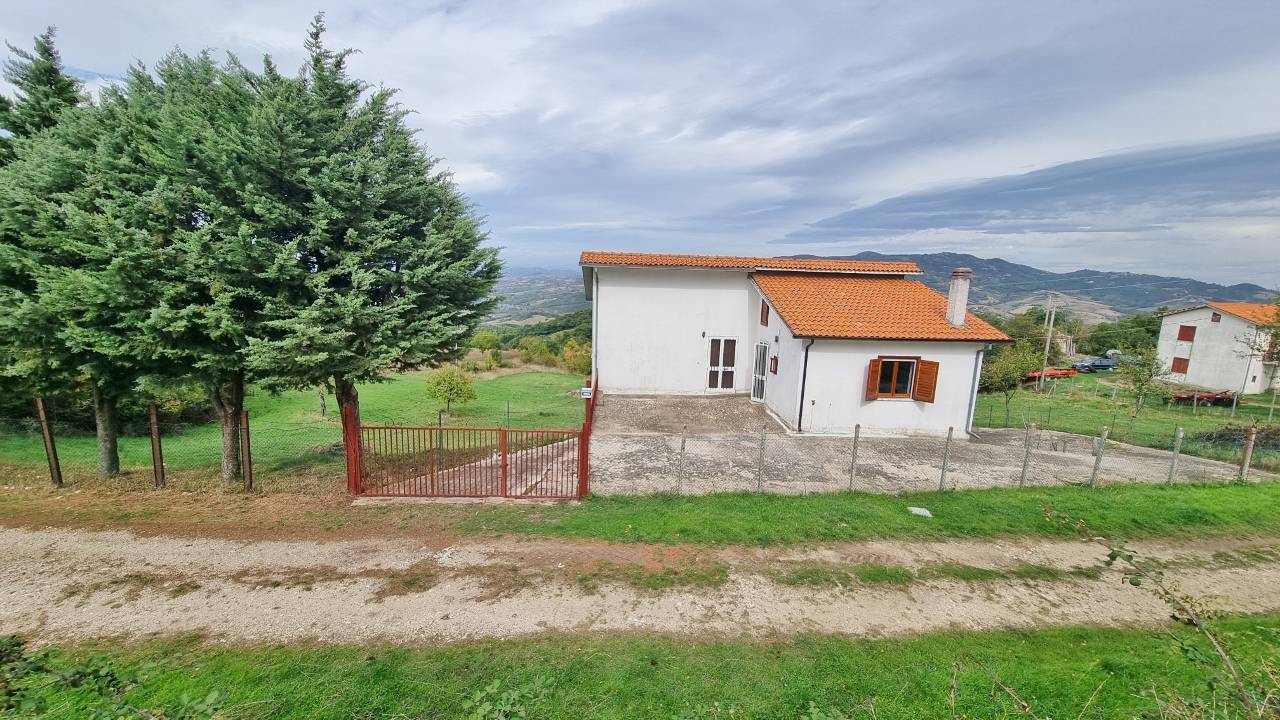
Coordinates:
<point>351,446</point>
<point>1246,452</point>
<point>1097,460</point>
<point>680,473</point>
<point>946,456</point>
<point>853,461</point>
<point>50,448</point>
<point>157,453</point>
<point>1026,455</point>
<point>1173,461</point>
<point>246,459</point>
<point>760,463</point>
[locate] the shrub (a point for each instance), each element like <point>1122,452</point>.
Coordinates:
<point>534,350</point>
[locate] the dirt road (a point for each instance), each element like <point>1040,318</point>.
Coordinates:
<point>74,584</point>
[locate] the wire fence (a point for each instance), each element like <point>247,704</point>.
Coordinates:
<point>776,462</point>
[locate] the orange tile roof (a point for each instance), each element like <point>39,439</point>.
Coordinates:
<point>732,262</point>
<point>1256,313</point>
<point>840,306</point>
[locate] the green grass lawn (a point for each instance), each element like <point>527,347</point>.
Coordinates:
<point>288,430</point>
<point>1128,511</point>
<point>1084,404</point>
<point>575,677</point>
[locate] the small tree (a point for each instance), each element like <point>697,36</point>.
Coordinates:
<point>1005,369</point>
<point>1140,371</point>
<point>576,356</point>
<point>485,340</point>
<point>451,384</point>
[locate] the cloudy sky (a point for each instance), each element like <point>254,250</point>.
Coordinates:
<point>1138,136</point>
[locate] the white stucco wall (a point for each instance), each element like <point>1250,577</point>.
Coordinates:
<point>781,391</point>
<point>837,379</point>
<point>653,328</point>
<point>1218,357</point>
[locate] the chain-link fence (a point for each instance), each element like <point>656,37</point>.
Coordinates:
<point>1086,407</point>
<point>785,463</point>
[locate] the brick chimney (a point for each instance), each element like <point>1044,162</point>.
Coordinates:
<point>958,296</point>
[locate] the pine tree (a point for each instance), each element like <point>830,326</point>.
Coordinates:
<point>396,274</point>
<point>43,91</point>
<point>48,251</point>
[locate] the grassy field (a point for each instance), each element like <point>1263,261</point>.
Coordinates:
<point>1183,512</point>
<point>553,677</point>
<point>288,430</point>
<point>1131,511</point>
<point>1084,404</point>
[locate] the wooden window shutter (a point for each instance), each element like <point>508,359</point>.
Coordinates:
<point>926,381</point>
<point>873,380</point>
<point>764,313</point>
<point>1187,333</point>
<point>773,365</point>
<point>1180,365</point>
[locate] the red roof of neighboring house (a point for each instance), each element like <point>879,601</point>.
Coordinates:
<point>843,306</point>
<point>731,262</point>
<point>1256,313</point>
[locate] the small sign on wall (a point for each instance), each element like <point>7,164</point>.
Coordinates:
<point>586,393</point>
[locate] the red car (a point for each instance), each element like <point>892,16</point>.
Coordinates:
<point>1203,399</point>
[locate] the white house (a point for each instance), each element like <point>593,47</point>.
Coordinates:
<point>1219,346</point>
<point>824,344</point>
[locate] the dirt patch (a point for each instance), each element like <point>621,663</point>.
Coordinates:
<point>131,586</point>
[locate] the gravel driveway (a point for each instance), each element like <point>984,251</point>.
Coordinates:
<point>73,584</point>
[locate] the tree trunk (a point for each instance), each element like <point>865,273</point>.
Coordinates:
<point>228,401</point>
<point>345,391</point>
<point>107,420</point>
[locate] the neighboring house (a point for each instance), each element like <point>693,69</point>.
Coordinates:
<point>1219,346</point>
<point>824,344</point>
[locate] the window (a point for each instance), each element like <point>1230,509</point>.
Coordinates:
<point>1186,333</point>
<point>902,377</point>
<point>1216,317</point>
<point>1180,364</point>
<point>764,313</point>
<point>895,378</point>
<point>773,365</point>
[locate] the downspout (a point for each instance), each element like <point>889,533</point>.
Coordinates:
<point>973,390</point>
<point>804,377</point>
<point>595,312</point>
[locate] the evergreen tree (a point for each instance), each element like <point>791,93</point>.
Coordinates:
<point>49,253</point>
<point>395,273</point>
<point>43,91</point>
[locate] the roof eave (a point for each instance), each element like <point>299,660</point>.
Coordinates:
<point>754,269</point>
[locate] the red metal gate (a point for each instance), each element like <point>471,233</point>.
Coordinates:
<point>435,461</point>
<point>470,462</point>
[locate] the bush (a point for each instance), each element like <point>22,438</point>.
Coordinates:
<point>495,357</point>
<point>576,356</point>
<point>534,350</point>
<point>451,384</point>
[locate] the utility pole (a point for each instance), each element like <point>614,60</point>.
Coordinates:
<point>1048,339</point>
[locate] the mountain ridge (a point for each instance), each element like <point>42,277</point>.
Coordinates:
<point>1007,287</point>
<point>1001,286</point>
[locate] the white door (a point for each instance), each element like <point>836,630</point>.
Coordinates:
<point>758,371</point>
<point>724,355</point>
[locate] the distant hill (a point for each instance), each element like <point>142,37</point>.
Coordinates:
<point>531,295</point>
<point>1006,287</point>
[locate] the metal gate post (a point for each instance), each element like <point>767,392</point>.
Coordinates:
<point>352,449</point>
<point>502,452</point>
<point>50,448</point>
<point>584,459</point>
<point>157,452</point>
<point>246,459</point>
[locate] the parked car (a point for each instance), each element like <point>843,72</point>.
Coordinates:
<point>1203,399</point>
<point>1094,364</point>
